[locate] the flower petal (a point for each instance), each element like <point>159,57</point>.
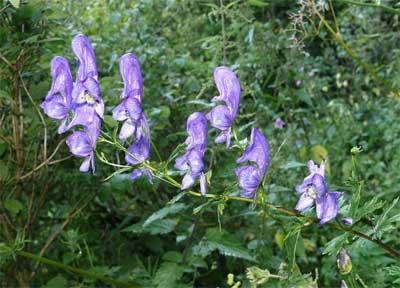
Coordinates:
<point>86,59</point>
<point>55,107</point>
<point>220,118</point>
<point>140,151</point>
<point>127,130</point>
<point>257,151</point>
<point>79,143</point>
<point>328,206</point>
<point>304,202</point>
<point>187,181</point>
<point>131,74</point>
<point>248,178</point>
<point>228,86</point>
<point>196,127</point>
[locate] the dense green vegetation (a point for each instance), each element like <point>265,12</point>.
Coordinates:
<point>329,69</point>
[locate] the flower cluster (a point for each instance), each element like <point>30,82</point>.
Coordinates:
<point>129,111</point>
<point>222,116</point>
<point>81,99</point>
<point>250,176</point>
<point>313,189</point>
<point>192,160</point>
<point>78,105</point>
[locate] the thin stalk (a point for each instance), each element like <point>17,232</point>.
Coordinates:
<point>296,214</point>
<point>353,55</point>
<point>168,179</point>
<point>380,6</point>
<point>74,270</point>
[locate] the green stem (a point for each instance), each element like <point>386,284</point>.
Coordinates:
<point>353,55</point>
<point>384,7</point>
<point>168,179</point>
<point>74,270</point>
<point>296,214</point>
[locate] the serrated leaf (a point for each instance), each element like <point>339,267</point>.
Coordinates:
<point>160,214</point>
<point>368,208</point>
<point>225,243</point>
<point>168,275</point>
<point>56,282</point>
<point>161,226</point>
<point>15,3</point>
<point>333,246</point>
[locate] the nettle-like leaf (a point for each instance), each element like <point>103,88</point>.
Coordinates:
<point>224,242</point>
<point>366,209</point>
<point>333,246</point>
<point>160,214</point>
<point>160,226</point>
<point>168,275</point>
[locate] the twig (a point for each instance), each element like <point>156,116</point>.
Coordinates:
<point>74,270</point>
<point>40,116</point>
<point>384,7</point>
<point>47,162</point>
<point>353,55</point>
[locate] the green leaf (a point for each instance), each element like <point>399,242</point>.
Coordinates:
<point>160,214</point>
<point>15,3</point>
<point>161,226</point>
<point>292,164</point>
<point>168,275</point>
<point>258,3</point>
<point>13,206</point>
<point>225,243</point>
<point>333,246</point>
<point>56,282</point>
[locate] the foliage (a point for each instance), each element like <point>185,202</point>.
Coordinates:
<point>158,236</point>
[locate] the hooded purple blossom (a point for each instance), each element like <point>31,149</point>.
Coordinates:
<point>279,123</point>
<point>81,98</point>
<point>223,115</point>
<point>192,160</point>
<point>129,111</point>
<point>86,101</point>
<point>313,189</point>
<point>58,100</point>
<point>250,176</point>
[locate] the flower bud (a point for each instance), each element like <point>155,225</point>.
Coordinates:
<point>344,262</point>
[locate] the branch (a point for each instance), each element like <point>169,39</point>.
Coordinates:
<point>296,214</point>
<point>353,55</point>
<point>83,273</point>
<point>384,7</point>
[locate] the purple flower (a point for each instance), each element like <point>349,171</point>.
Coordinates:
<point>86,101</point>
<point>347,221</point>
<point>129,111</point>
<point>81,98</point>
<point>279,123</point>
<point>250,176</point>
<point>223,115</point>
<point>58,100</point>
<point>192,160</point>
<point>313,189</point>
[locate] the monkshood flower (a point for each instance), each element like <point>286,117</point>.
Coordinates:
<point>279,123</point>
<point>82,98</point>
<point>250,176</point>
<point>129,111</point>
<point>223,115</point>
<point>192,161</point>
<point>313,189</point>
<point>86,101</point>
<point>57,103</point>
